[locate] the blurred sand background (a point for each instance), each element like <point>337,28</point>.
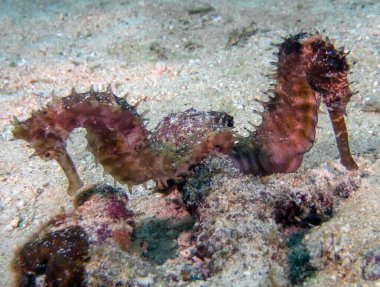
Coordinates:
<point>170,56</point>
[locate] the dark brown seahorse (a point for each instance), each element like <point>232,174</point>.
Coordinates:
<point>308,69</point>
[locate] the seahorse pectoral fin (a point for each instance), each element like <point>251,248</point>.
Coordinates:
<point>68,167</point>
<point>341,137</point>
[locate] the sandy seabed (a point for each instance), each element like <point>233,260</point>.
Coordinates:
<point>171,56</point>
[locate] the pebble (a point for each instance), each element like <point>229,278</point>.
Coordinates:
<point>15,222</point>
<point>160,68</point>
<point>151,184</point>
<point>372,104</point>
<point>188,252</point>
<point>20,62</point>
<point>194,62</point>
<point>201,9</point>
<point>346,228</point>
<point>184,239</point>
<point>40,190</point>
<point>6,133</point>
<point>371,264</point>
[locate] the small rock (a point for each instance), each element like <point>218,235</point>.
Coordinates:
<point>194,62</point>
<point>201,9</point>
<point>184,239</point>
<point>346,228</point>
<point>371,264</point>
<point>372,104</point>
<point>20,62</point>
<point>40,190</point>
<point>6,133</point>
<point>188,252</point>
<point>151,184</point>
<point>15,222</point>
<point>160,67</point>
<point>240,37</point>
<point>158,50</point>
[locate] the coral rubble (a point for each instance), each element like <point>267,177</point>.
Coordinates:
<point>63,246</point>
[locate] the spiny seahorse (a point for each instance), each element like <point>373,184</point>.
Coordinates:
<point>308,69</point>
<point>118,139</point>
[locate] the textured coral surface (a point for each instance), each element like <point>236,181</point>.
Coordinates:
<point>62,248</point>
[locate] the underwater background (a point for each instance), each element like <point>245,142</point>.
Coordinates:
<point>317,227</point>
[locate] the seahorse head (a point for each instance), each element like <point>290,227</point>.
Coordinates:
<point>328,75</point>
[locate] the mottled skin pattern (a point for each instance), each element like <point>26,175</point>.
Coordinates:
<point>118,139</point>
<point>309,69</point>
<point>328,76</point>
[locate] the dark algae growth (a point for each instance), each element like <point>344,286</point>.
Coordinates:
<point>60,250</point>
<point>298,260</point>
<point>309,71</point>
<point>59,255</point>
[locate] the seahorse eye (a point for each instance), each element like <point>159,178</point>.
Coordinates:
<point>331,53</point>
<point>335,63</point>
